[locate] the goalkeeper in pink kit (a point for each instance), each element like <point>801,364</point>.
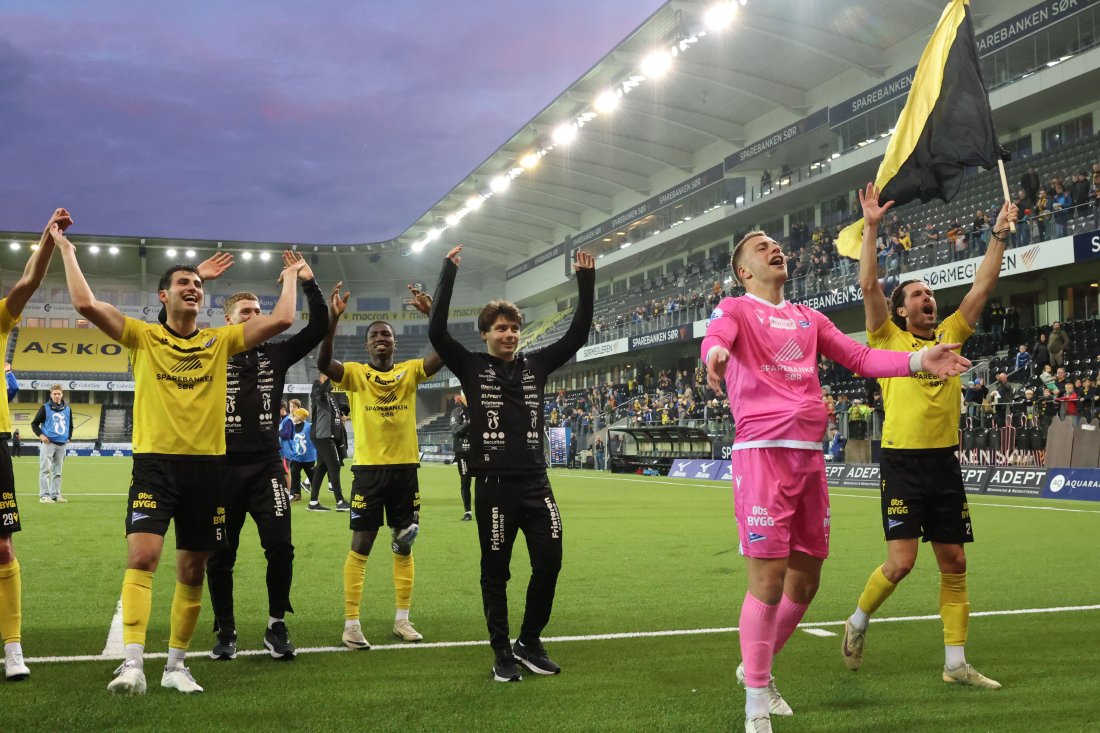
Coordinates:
<point>763,352</point>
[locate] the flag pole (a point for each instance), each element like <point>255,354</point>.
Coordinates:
<point>1008,196</point>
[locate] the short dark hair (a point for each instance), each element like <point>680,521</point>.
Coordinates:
<point>493,310</point>
<point>735,256</point>
<point>166,278</point>
<point>897,300</point>
<point>387,324</point>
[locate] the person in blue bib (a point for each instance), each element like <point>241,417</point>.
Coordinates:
<point>54,427</point>
<point>298,449</point>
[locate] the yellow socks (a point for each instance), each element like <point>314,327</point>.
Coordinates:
<point>137,605</point>
<point>355,569</point>
<point>954,608</point>
<point>404,569</point>
<point>11,599</point>
<point>875,593</point>
<point>186,604</point>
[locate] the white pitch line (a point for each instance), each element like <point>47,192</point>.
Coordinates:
<point>587,637</point>
<point>114,648</point>
<point>818,632</point>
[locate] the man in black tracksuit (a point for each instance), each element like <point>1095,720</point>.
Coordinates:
<point>504,393</point>
<point>255,481</point>
<point>460,428</point>
<point>328,423</point>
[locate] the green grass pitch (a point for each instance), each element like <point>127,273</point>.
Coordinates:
<point>641,555</point>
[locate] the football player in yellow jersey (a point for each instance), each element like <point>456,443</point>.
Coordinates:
<point>11,581</point>
<point>179,444</point>
<point>922,490</point>
<point>383,412</point>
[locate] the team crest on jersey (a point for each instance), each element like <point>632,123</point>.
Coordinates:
<point>804,324</point>
<point>716,313</point>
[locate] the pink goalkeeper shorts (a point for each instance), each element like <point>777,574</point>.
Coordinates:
<point>781,502</point>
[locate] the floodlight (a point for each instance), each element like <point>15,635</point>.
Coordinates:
<point>113,249</point>
<point>474,203</point>
<point>720,16</point>
<point>607,102</point>
<point>246,256</point>
<point>170,252</point>
<point>190,254</point>
<point>656,64</point>
<point>564,134</point>
<point>499,183</point>
<point>94,249</point>
<point>265,256</point>
<point>14,245</point>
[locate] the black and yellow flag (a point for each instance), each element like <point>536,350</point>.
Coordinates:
<point>945,126</point>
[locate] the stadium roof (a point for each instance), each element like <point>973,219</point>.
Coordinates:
<point>769,59</point>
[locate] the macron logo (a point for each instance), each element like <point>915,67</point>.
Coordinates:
<point>761,316</point>
<point>789,351</point>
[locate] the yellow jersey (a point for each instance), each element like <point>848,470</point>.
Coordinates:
<point>922,411</point>
<point>383,412</point>
<point>8,321</point>
<point>179,387</point>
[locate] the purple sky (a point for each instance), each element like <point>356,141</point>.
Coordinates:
<point>273,121</point>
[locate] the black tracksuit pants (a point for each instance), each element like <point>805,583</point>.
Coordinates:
<point>255,488</point>
<point>504,505</point>
<point>328,461</point>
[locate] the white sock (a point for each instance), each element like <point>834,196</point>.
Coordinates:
<point>13,647</point>
<point>756,702</point>
<point>351,623</point>
<point>954,656</point>
<point>402,614</point>
<point>860,619</point>
<point>271,621</point>
<point>175,659</point>
<point>136,653</point>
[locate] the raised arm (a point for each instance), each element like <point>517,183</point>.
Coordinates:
<point>103,316</point>
<point>302,342</point>
<point>559,352</point>
<point>37,263</point>
<point>423,302</point>
<point>325,363</point>
<point>444,344</point>
<point>875,308</point>
<point>261,328</point>
<point>940,359</point>
<point>985,279</point>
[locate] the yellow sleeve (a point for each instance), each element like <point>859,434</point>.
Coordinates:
<point>421,375</point>
<point>8,320</point>
<point>355,377</point>
<point>956,330</point>
<point>881,337</point>
<point>132,331</point>
<point>234,338</point>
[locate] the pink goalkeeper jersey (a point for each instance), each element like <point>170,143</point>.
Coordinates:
<point>771,380</point>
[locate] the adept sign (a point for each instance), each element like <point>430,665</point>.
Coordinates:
<point>1015,481</point>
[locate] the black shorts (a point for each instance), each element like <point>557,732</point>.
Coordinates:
<point>394,489</point>
<point>257,487</point>
<point>923,496</point>
<point>188,491</point>
<point>9,507</point>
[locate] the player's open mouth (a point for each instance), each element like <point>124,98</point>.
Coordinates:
<point>193,299</point>
<point>777,260</point>
<point>928,310</point>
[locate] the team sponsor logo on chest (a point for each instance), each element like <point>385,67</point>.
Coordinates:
<point>766,319</point>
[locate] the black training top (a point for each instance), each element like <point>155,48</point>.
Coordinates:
<point>505,398</point>
<point>255,380</point>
